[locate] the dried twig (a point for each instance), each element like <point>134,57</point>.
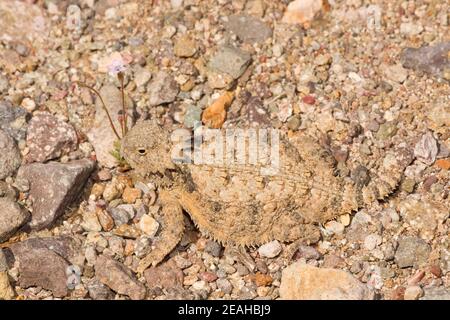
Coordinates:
<point>103,105</point>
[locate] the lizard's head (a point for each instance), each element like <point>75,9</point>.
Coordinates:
<point>147,148</point>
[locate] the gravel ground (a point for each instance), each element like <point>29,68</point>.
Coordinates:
<point>74,223</point>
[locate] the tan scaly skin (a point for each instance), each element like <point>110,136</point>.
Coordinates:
<point>237,205</point>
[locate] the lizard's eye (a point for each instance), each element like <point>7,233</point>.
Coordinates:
<point>142,151</point>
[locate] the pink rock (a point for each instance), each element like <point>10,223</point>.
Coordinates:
<point>302,11</point>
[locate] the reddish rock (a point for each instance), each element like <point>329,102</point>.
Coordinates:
<point>435,270</point>
<point>43,268</point>
<point>64,246</point>
<point>208,276</point>
<point>167,275</point>
<point>398,293</point>
<point>119,278</point>
<point>333,261</point>
<point>309,99</point>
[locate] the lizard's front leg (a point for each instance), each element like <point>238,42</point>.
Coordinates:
<point>171,232</point>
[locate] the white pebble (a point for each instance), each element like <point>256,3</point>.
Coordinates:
<point>148,225</point>
<point>270,250</point>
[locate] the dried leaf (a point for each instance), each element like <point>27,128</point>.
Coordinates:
<point>214,116</point>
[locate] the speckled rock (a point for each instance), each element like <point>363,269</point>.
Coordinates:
<point>167,275</point>
<point>49,137</point>
<point>423,215</point>
<point>10,158</point>
<point>23,21</point>
<point>119,278</point>
<point>12,217</point>
<point>230,60</point>
<point>64,246</point>
<point>98,291</point>
<point>53,187</point>
<point>185,47</point>
<point>412,252</point>
<point>303,282</point>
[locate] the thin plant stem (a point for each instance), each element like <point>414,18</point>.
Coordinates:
<point>124,106</point>
<point>103,105</point>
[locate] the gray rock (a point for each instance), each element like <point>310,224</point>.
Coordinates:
<point>44,268</point>
<point>122,214</point>
<point>12,217</point>
<point>436,293</point>
<point>49,137</point>
<point>213,248</point>
<point>248,29</point>
<point>142,76</point>
<point>119,278</point>
<point>224,285</point>
<point>433,60</point>
<point>230,60</point>
<point>162,89</point>
<point>9,156</point>
<point>98,291</point>
<point>412,252</point>
<point>13,120</point>
<point>53,187</point>
<point>303,282</point>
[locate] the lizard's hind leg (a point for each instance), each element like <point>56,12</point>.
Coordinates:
<point>172,230</point>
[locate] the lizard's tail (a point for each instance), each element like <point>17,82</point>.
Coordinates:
<point>365,189</point>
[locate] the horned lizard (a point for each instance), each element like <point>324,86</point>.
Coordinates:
<point>237,205</point>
